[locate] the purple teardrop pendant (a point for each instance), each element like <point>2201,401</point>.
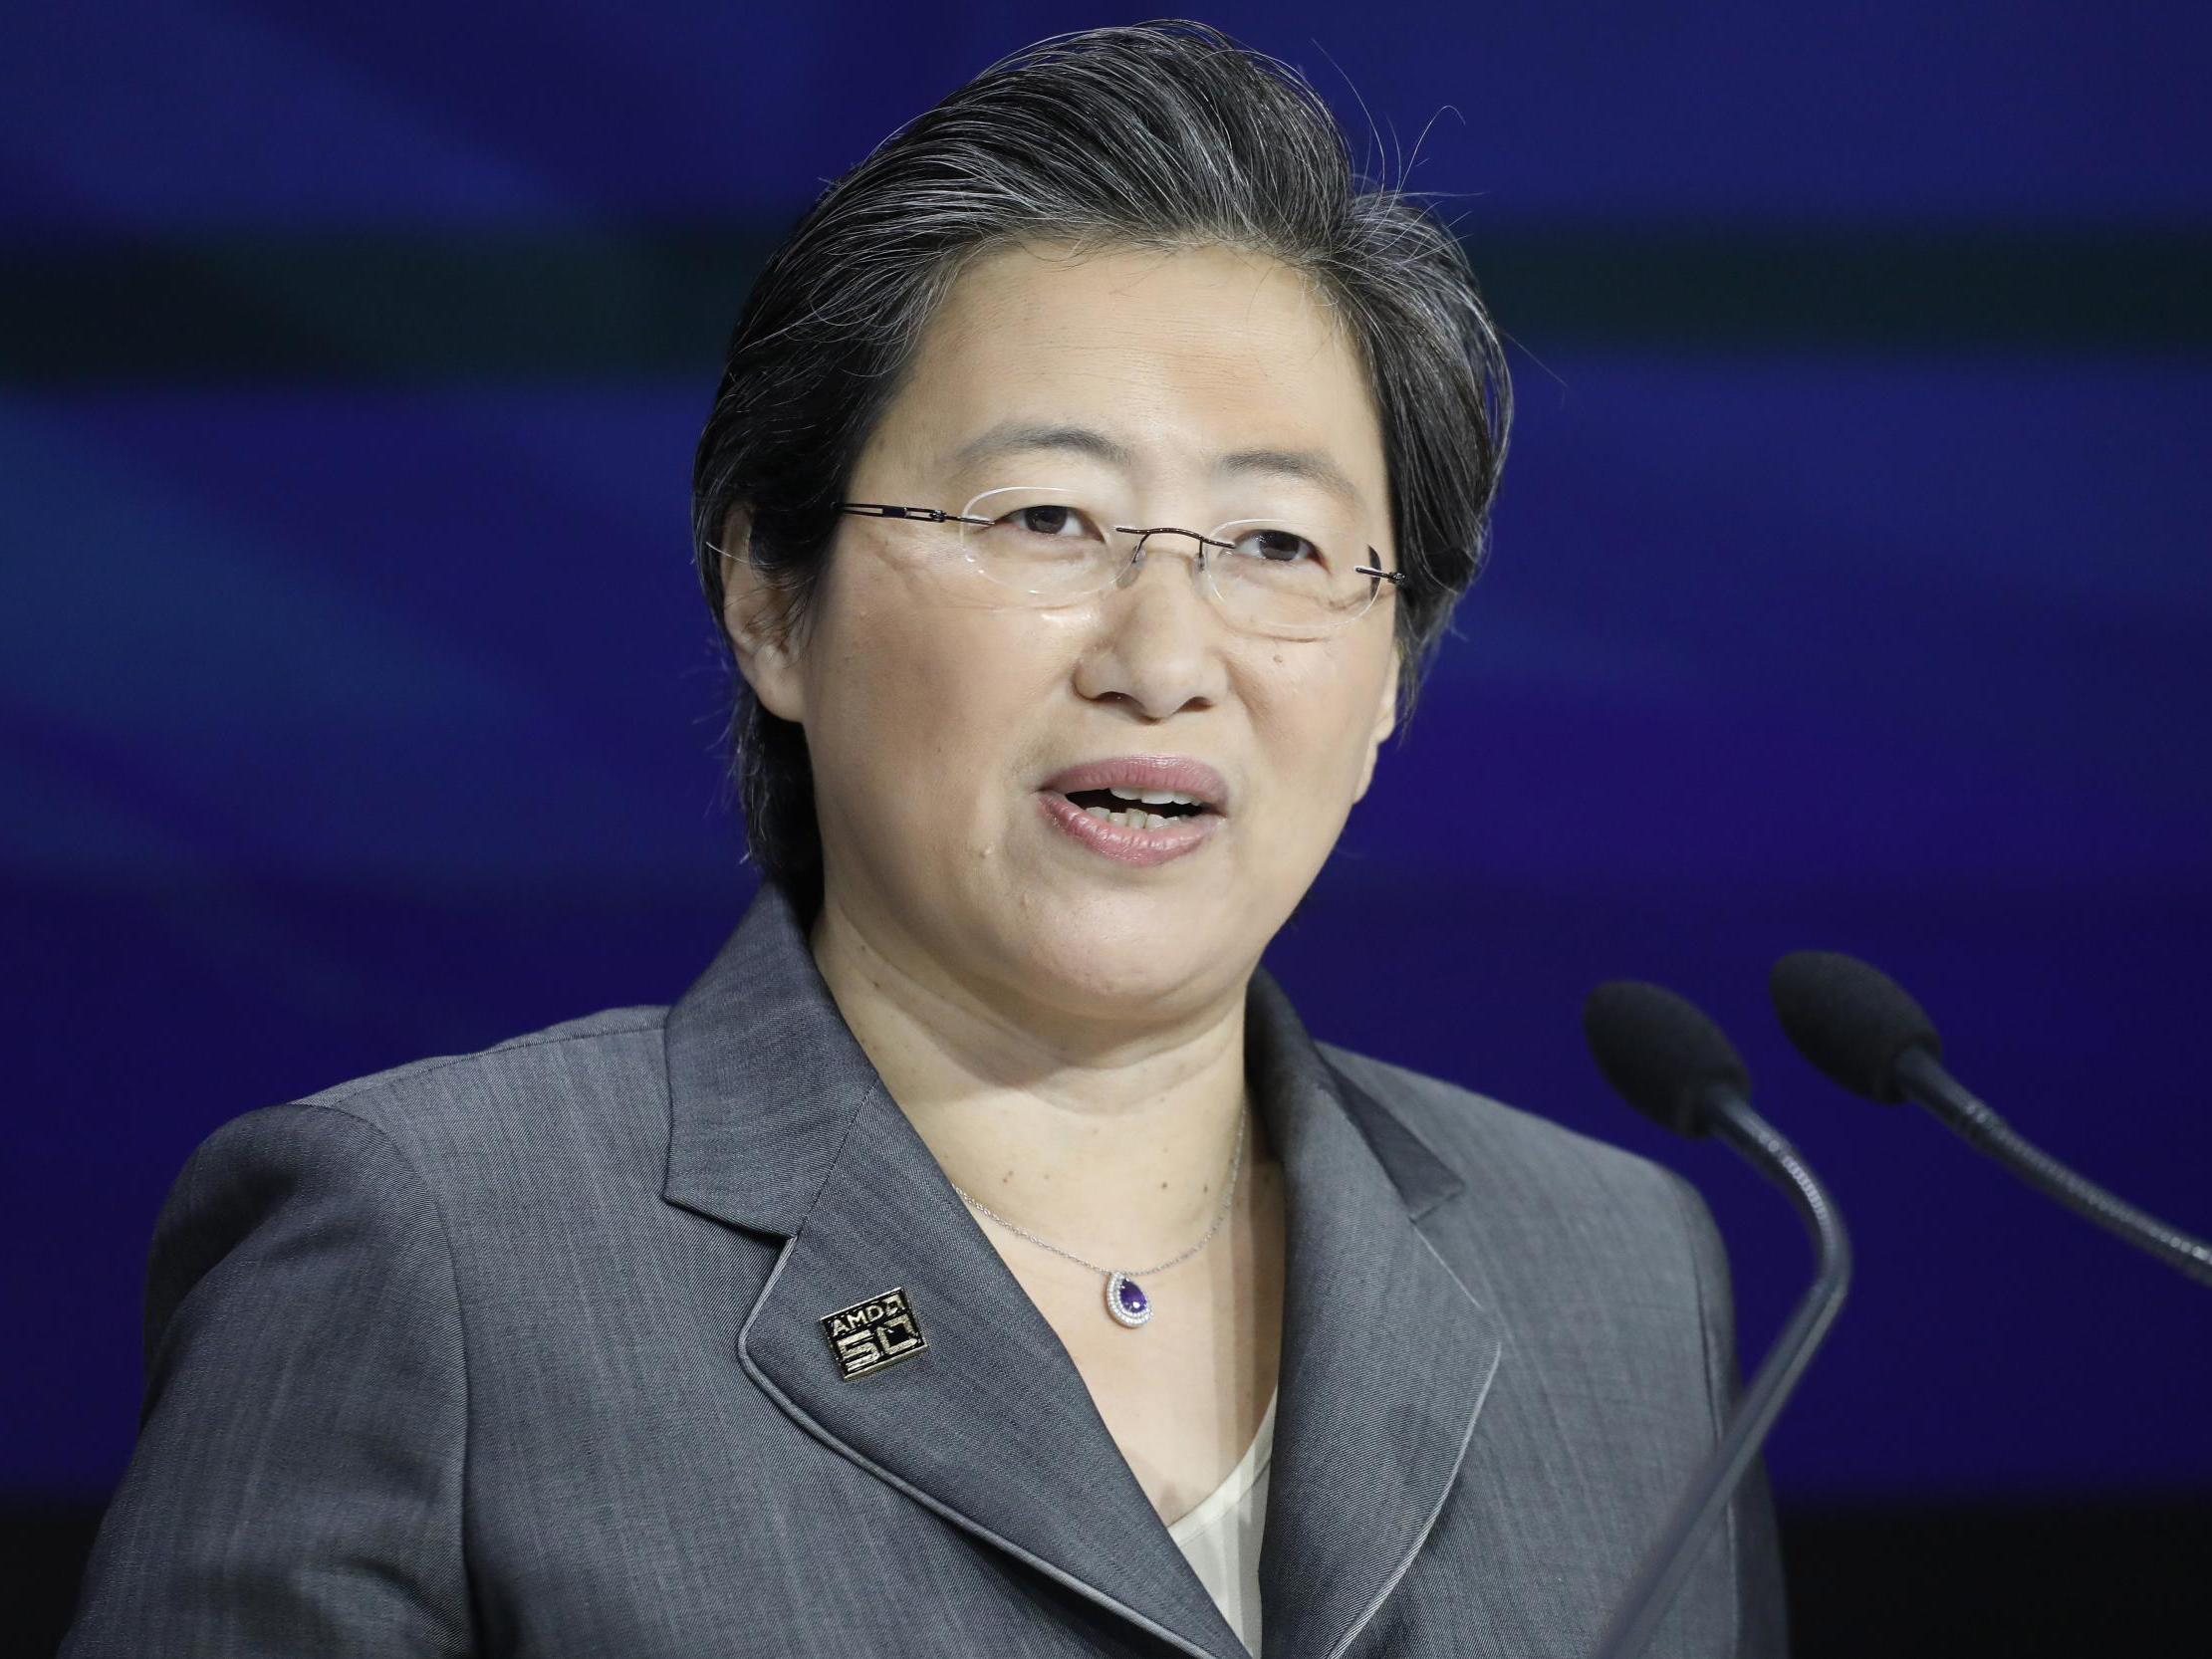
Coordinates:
<point>1126,1300</point>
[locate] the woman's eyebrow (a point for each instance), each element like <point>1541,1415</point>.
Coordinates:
<point>1312,465</point>
<point>1012,437</point>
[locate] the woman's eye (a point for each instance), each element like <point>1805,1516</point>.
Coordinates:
<point>1047,520</point>
<point>1280,547</point>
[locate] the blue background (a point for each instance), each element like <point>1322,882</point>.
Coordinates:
<point>1851,591</point>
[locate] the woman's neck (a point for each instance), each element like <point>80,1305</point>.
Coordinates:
<point>1110,1142</point>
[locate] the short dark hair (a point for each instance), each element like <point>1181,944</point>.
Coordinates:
<point>1164,135</point>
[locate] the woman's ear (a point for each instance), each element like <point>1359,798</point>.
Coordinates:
<point>1386,722</point>
<point>755,616</point>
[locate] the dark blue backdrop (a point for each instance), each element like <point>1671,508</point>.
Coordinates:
<point>1851,589</point>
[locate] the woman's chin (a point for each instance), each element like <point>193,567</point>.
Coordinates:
<point>1104,979</point>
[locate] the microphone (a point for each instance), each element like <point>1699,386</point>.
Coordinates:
<point>1673,1064</point>
<point>1860,1027</point>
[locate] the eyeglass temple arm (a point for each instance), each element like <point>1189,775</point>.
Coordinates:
<point>882,510</point>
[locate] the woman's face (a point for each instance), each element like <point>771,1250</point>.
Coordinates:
<point>1189,387</point>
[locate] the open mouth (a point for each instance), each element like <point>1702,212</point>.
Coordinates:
<point>1137,809</point>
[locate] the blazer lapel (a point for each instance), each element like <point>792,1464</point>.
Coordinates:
<point>780,1125</point>
<point>1386,1357</point>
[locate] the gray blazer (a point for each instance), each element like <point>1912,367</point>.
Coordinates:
<point>524,1352</point>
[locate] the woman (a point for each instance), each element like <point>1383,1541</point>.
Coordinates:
<point>980,1257</point>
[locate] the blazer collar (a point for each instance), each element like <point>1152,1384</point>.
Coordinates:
<point>780,1125</point>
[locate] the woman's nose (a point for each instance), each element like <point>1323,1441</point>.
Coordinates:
<point>1160,639</point>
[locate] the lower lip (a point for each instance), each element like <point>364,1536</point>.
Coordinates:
<point>1129,846</point>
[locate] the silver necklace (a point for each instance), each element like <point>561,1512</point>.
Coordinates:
<point>1125,1300</point>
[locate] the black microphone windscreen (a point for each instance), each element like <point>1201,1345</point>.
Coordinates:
<point>1662,1053</point>
<point>1850,1020</point>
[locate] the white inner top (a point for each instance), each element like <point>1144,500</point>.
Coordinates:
<point>1221,1536</point>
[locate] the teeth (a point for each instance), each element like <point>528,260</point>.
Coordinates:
<point>1130,819</point>
<point>1153,798</point>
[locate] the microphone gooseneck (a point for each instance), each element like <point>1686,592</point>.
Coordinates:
<point>1860,1027</point>
<point>1672,1063</point>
